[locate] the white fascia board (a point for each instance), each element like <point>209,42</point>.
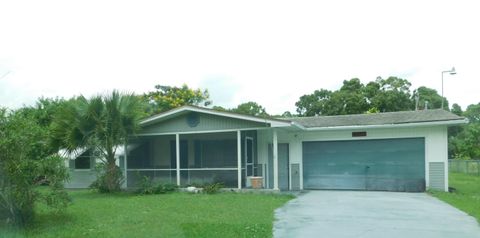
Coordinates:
<point>273,123</point>
<point>418,124</point>
<point>162,115</point>
<point>298,125</point>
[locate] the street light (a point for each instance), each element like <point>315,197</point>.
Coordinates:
<point>452,72</point>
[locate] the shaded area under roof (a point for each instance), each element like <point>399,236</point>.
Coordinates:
<point>388,118</point>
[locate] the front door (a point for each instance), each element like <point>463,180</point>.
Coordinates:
<point>283,166</point>
<point>249,159</point>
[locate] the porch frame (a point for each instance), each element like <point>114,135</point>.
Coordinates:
<point>239,154</point>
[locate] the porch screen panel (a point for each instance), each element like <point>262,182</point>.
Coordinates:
<point>217,154</point>
<point>150,157</point>
<point>183,154</point>
<point>200,177</point>
<point>140,157</point>
<point>210,158</point>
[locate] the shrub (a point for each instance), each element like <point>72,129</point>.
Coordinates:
<point>165,188</point>
<point>18,192</point>
<point>212,188</point>
<point>170,187</point>
<point>105,176</point>
<point>27,160</point>
<point>146,186</point>
<point>159,189</point>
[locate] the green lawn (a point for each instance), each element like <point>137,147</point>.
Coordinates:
<point>467,194</point>
<point>164,215</point>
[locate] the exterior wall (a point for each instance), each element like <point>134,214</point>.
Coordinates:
<point>264,137</point>
<point>206,122</point>
<point>80,178</point>
<point>436,145</point>
<point>83,178</point>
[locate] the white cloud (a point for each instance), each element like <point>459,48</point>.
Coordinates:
<point>271,52</point>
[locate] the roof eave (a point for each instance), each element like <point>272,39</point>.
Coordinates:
<point>402,125</point>
<point>165,115</point>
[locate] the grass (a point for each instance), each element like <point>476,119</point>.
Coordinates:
<point>164,215</point>
<point>466,196</point>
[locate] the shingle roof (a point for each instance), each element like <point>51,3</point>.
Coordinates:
<point>387,118</point>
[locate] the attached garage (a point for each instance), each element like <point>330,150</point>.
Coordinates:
<point>377,165</point>
<point>394,151</point>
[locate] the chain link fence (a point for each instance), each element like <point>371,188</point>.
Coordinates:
<point>471,167</point>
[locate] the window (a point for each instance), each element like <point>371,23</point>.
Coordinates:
<point>83,161</point>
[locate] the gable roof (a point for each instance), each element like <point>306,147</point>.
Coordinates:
<point>186,109</point>
<point>436,116</point>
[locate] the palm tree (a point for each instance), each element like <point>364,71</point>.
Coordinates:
<point>101,123</point>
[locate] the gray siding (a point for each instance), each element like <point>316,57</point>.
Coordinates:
<point>437,175</point>
<point>206,123</point>
<point>80,178</point>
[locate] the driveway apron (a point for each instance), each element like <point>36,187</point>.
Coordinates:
<point>372,214</point>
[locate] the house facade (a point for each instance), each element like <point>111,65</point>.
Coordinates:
<point>397,151</point>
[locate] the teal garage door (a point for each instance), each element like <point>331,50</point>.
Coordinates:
<point>379,165</point>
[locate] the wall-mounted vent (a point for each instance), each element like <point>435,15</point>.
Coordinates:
<point>359,133</point>
<point>437,175</point>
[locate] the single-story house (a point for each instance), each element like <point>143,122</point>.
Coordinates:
<point>394,151</point>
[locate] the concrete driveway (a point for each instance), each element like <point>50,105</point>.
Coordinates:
<point>371,214</point>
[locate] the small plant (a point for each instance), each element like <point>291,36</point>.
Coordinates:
<point>165,188</point>
<point>159,189</point>
<point>169,187</point>
<point>146,186</point>
<point>212,188</point>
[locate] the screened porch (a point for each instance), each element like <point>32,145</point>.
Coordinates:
<point>202,158</point>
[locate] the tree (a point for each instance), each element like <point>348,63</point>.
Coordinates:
<point>382,95</point>
<point>393,94</point>
<point>250,108</point>
<point>428,95</point>
<point>453,131</point>
<point>472,113</point>
<point>313,104</point>
<point>465,143</point>
<point>26,161</point>
<point>102,123</point>
<point>456,109</point>
<point>286,114</point>
<point>350,99</point>
<point>165,98</point>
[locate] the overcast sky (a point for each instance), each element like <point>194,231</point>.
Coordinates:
<point>271,52</point>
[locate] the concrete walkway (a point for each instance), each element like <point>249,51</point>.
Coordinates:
<point>371,214</point>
